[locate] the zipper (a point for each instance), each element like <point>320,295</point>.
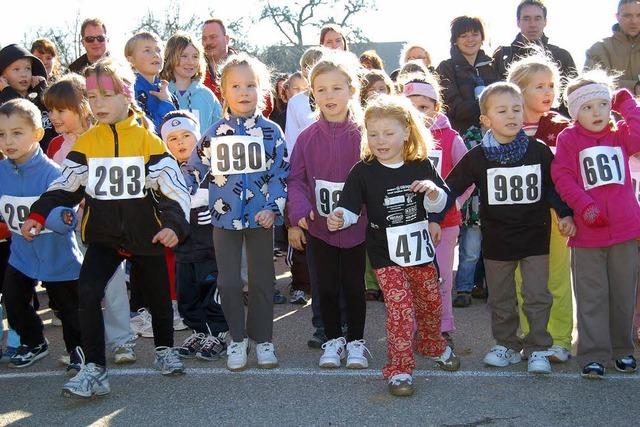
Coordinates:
<point>116,148</point>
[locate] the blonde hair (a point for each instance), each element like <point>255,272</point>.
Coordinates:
<point>341,62</point>
<point>521,71</point>
<point>309,59</point>
<point>173,51</point>
<point>398,108</point>
<point>497,89</point>
<point>405,51</point>
<point>69,93</point>
<point>259,70</point>
<point>428,78</point>
<point>24,109</point>
<point>596,75</point>
<point>372,77</point>
<point>130,46</point>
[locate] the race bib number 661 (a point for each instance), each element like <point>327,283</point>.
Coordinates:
<point>601,166</point>
<point>410,244</point>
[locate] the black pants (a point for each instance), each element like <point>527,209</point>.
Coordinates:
<point>198,297</point>
<point>340,269</point>
<point>300,279</point>
<point>22,316</point>
<point>100,262</point>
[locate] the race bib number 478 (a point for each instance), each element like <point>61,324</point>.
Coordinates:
<point>116,178</point>
<point>410,244</point>
<point>602,166</point>
<point>514,186</point>
<point>237,154</point>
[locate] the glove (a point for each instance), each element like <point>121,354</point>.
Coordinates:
<point>619,97</point>
<point>593,216</point>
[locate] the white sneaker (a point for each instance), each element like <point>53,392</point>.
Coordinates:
<point>237,355</point>
<point>559,354</point>
<point>124,353</point>
<point>502,356</point>
<point>141,324</point>
<point>356,357</point>
<point>178,324</point>
<point>266,356</point>
<point>334,352</point>
<point>538,362</point>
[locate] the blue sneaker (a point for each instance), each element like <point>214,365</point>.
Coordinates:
<point>27,356</point>
<point>278,298</point>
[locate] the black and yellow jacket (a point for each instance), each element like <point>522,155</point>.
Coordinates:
<point>124,224</point>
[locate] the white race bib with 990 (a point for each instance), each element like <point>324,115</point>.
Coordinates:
<point>602,166</point>
<point>237,154</point>
<point>327,196</point>
<point>15,211</point>
<point>410,244</point>
<point>514,186</point>
<point>436,160</point>
<point>116,178</point>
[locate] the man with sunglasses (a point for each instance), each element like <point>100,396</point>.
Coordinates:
<point>93,34</point>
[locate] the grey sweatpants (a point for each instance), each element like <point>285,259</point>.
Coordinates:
<point>604,281</point>
<point>504,306</point>
<point>259,246</point>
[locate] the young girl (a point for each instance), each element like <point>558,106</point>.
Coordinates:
<point>398,185</point>
<point>448,149</point>
<point>324,154</point>
<point>136,203</point>
<point>591,172</point>
<point>243,157</point>
<point>183,69</point>
<point>538,77</point>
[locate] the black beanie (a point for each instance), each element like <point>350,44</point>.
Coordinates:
<point>11,53</point>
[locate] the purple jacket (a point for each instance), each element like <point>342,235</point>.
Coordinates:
<point>324,151</point>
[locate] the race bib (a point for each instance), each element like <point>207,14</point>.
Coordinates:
<point>116,178</point>
<point>327,196</point>
<point>410,244</point>
<point>15,211</point>
<point>602,166</point>
<point>514,186</point>
<point>232,155</point>
<point>436,160</point>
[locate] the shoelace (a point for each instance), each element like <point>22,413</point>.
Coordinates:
<point>359,346</point>
<point>192,339</point>
<point>267,347</point>
<point>234,348</point>
<point>209,342</point>
<point>541,354</point>
<point>334,343</point>
<point>169,355</point>
<point>397,379</point>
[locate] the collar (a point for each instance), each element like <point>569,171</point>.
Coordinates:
<point>597,135</point>
<point>337,128</point>
<point>31,163</point>
<point>458,57</point>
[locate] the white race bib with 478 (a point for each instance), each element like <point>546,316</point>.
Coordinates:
<point>602,166</point>
<point>327,196</point>
<point>116,178</point>
<point>410,244</point>
<point>514,186</point>
<point>15,211</point>
<point>237,154</point>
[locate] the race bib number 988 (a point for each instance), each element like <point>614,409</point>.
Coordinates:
<point>514,186</point>
<point>601,166</point>
<point>327,196</point>
<point>410,244</point>
<point>15,211</point>
<point>116,178</point>
<point>237,154</point>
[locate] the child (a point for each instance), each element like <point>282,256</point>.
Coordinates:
<point>512,172</point>
<point>538,78</point>
<point>144,53</point>
<point>398,185</point>
<point>196,269</point>
<point>183,69</point>
<point>136,203</point>
<point>375,82</point>
<point>448,149</point>
<point>243,157</point>
<point>53,257</point>
<point>324,154</point>
<point>591,172</point>
<point>45,50</point>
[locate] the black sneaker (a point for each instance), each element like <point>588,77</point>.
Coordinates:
<point>463,299</point>
<point>626,364</point>
<point>318,338</point>
<point>278,298</point>
<point>212,348</point>
<point>191,345</point>
<point>75,362</point>
<point>479,292</point>
<point>593,371</point>
<point>26,355</point>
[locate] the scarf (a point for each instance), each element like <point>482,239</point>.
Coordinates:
<point>505,154</point>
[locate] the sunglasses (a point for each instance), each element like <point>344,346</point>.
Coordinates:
<point>91,39</point>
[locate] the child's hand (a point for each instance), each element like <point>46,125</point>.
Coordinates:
<point>36,80</point>
<point>335,220</point>
<point>566,226</point>
<point>167,237</point>
<point>619,96</point>
<point>30,229</point>
<point>3,83</point>
<point>163,91</point>
<point>435,232</point>
<point>303,221</point>
<point>265,218</point>
<point>297,239</point>
<point>593,216</point>
<point>427,187</point>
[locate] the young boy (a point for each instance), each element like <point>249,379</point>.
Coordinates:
<point>196,269</point>
<point>53,257</point>
<point>512,172</point>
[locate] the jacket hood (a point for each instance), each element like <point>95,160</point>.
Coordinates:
<point>11,53</point>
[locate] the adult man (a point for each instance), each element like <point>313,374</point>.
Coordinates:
<point>215,42</point>
<point>93,34</point>
<point>621,51</point>
<point>532,19</point>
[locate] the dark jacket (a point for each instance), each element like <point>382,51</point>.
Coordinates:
<point>459,80</point>
<point>81,63</point>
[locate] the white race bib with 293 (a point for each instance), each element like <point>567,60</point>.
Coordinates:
<point>327,196</point>
<point>410,244</point>
<point>436,160</point>
<point>237,154</point>
<point>602,166</point>
<point>116,178</point>
<point>15,211</point>
<point>514,186</point>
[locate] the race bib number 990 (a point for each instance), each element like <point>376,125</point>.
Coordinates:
<point>15,211</point>
<point>327,196</point>
<point>601,166</point>
<point>436,160</point>
<point>116,178</point>
<point>237,154</point>
<point>410,244</point>
<point>514,186</point>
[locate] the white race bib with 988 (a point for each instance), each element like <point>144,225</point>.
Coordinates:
<point>602,166</point>
<point>436,160</point>
<point>116,178</point>
<point>327,196</point>
<point>237,154</point>
<point>514,186</point>
<point>15,211</point>
<point>410,244</point>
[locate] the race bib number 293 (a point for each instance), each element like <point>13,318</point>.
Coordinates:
<point>116,178</point>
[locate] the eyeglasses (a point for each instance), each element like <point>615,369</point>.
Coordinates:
<point>91,39</point>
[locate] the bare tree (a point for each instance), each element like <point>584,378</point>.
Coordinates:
<point>169,22</point>
<point>66,39</point>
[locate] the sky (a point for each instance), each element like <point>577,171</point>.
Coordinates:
<point>572,24</point>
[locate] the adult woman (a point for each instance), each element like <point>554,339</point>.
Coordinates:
<point>332,37</point>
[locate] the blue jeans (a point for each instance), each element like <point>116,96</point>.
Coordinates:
<point>470,240</point>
